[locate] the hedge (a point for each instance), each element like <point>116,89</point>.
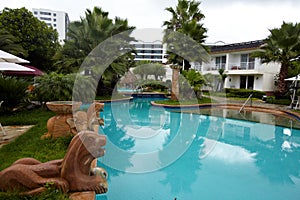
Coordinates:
<point>243,93</point>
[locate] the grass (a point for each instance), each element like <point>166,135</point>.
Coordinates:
<point>109,97</point>
<point>50,193</point>
<point>30,144</point>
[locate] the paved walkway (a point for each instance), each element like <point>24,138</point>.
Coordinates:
<point>11,133</point>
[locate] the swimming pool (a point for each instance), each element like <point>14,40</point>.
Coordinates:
<point>154,153</point>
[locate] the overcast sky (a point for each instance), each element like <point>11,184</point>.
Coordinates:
<point>229,21</point>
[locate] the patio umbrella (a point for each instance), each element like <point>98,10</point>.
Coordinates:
<point>7,57</point>
<point>35,72</point>
<point>4,66</point>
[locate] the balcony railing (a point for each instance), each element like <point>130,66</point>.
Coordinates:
<point>216,67</point>
<point>231,66</point>
<point>242,66</point>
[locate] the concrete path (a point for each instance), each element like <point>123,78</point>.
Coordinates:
<point>11,133</point>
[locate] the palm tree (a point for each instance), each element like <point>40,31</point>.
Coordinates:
<point>185,19</point>
<point>222,77</point>
<point>9,44</point>
<point>195,80</point>
<point>88,33</point>
<point>283,46</point>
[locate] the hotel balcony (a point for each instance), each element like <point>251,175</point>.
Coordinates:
<point>231,66</point>
<point>214,67</point>
<point>242,66</point>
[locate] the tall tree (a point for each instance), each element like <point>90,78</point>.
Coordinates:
<point>9,44</point>
<point>87,34</point>
<point>282,46</point>
<point>186,18</point>
<point>39,40</point>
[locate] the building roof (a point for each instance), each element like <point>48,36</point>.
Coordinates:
<point>243,46</point>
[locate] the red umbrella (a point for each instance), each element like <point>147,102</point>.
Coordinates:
<point>35,72</point>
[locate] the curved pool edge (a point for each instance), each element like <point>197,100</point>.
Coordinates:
<point>279,112</point>
<point>115,100</point>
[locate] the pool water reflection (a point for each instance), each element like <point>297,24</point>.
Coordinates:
<point>153,153</point>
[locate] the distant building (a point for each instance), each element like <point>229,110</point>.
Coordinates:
<point>57,19</point>
<point>243,71</point>
<point>150,51</point>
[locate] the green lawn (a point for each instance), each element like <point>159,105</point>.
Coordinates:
<point>30,144</point>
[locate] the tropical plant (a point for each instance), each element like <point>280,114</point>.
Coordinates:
<point>60,87</point>
<point>12,92</point>
<point>186,19</point>
<point>39,40</point>
<point>195,80</point>
<point>159,71</point>
<point>155,69</point>
<point>84,36</point>
<point>282,46</point>
<point>209,80</point>
<point>9,44</point>
<point>222,77</point>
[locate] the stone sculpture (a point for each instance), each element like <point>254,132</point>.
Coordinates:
<point>66,122</point>
<point>57,125</point>
<point>71,174</point>
<point>88,120</point>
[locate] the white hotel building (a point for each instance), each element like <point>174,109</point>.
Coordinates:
<point>151,51</point>
<point>244,72</point>
<point>57,19</point>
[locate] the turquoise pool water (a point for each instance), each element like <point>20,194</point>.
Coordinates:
<point>158,154</point>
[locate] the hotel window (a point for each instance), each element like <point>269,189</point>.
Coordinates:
<point>45,13</point>
<point>220,62</point>
<point>45,18</point>
<point>247,62</point>
<point>138,46</point>
<point>148,46</point>
<point>159,46</point>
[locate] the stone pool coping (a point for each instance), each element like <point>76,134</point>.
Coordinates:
<point>114,100</point>
<point>280,112</point>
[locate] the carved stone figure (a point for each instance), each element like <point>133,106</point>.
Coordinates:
<point>71,174</point>
<point>57,125</point>
<point>88,120</point>
<point>65,123</point>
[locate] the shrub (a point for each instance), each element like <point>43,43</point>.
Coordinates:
<point>12,92</point>
<point>244,93</point>
<point>59,87</point>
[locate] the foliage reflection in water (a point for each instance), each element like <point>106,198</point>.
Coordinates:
<point>249,160</point>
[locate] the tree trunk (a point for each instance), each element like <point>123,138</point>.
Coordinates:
<point>282,87</point>
<point>175,84</point>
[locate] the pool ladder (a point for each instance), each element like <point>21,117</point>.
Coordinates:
<point>243,106</point>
